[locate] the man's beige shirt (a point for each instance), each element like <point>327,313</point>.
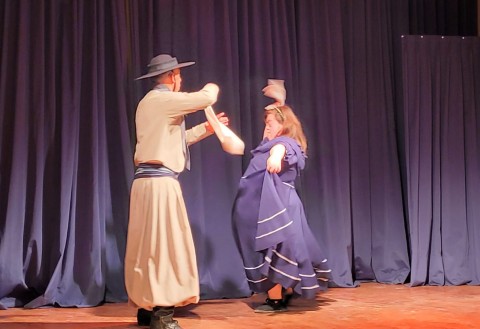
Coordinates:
<point>158,121</point>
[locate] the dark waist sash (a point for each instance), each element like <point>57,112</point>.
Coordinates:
<point>147,170</point>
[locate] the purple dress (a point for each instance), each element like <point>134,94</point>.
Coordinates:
<point>271,231</point>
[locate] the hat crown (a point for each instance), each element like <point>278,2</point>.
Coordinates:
<point>163,61</point>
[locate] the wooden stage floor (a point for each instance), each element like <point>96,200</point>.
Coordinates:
<point>371,305</point>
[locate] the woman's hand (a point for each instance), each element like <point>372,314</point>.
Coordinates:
<point>221,117</point>
<point>274,161</point>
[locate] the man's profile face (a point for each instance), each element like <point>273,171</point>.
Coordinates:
<point>176,79</point>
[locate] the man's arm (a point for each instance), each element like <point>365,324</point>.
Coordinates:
<point>203,130</point>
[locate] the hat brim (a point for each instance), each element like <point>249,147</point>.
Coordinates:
<point>155,73</point>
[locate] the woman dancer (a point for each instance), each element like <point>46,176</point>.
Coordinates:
<point>280,254</point>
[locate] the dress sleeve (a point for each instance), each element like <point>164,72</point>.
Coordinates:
<point>293,152</point>
<point>291,156</point>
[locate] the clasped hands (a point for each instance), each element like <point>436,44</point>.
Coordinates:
<point>222,117</point>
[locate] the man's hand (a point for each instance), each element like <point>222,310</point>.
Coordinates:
<point>221,117</point>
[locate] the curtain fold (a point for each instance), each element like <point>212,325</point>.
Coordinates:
<point>321,92</point>
<point>60,241</point>
<point>379,236</point>
<point>441,79</point>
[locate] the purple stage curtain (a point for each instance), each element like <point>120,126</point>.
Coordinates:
<point>442,138</point>
<point>66,153</point>
<point>67,134</point>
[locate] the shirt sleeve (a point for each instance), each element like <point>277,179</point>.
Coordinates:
<point>181,103</point>
<point>196,134</point>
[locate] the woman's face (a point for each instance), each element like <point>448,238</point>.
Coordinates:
<point>273,128</point>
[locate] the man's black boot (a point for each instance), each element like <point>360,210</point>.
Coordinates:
<point>162,318</point>
<point>143,317</point>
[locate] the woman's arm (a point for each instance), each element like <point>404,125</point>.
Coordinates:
<point>274,161</point>
<point>199,132</point>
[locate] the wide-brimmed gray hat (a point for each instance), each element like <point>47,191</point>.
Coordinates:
<point>161,64</point>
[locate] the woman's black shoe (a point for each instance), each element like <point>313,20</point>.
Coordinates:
<point>286,299</point>
<point>271,306</point>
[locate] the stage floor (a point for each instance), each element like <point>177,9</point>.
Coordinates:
<point>371,305</point>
